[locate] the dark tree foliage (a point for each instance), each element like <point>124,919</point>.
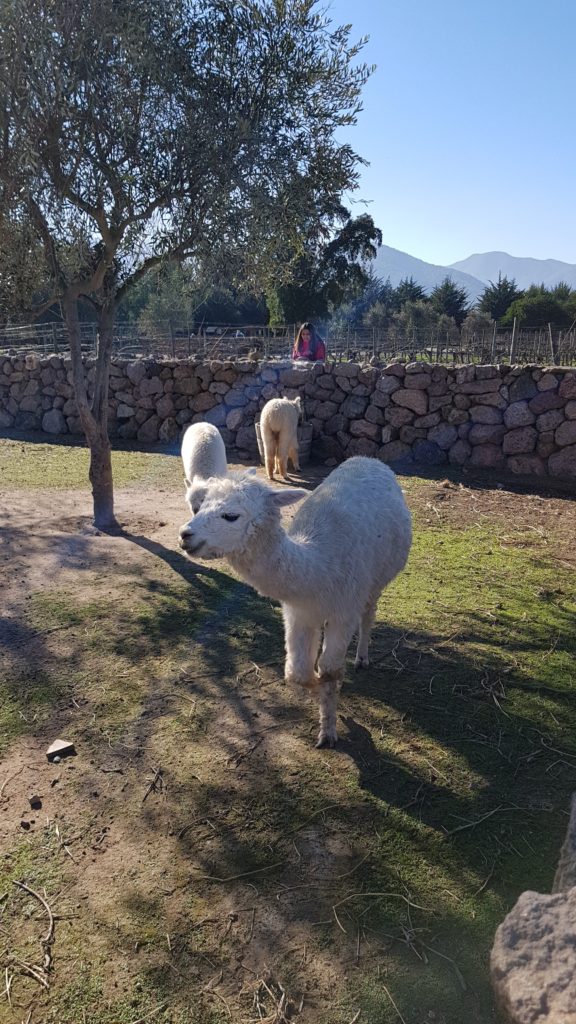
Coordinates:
<point>496,298</point>
<point>327,274</point>
<point>538,311</point>
<point>407,290</point>
<point>448,299</point>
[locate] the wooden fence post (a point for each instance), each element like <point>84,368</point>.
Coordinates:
<point>552,350</point>
<point>513,343</point>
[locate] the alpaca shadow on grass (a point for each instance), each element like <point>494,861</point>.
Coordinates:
<point>444,737</point>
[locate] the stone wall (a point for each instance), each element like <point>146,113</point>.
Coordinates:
<point>516,419</point>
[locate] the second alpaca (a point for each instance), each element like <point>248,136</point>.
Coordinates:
<point>279,430</point>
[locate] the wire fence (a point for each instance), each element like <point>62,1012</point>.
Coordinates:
<point>167,339</point>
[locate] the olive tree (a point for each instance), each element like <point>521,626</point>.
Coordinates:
<point>141,131</point>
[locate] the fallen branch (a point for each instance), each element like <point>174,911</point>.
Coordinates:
<point>47,941</point>
<point>245,874</point>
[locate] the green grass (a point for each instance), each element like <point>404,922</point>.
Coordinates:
<point>387,864</point>
<point>27,465</point>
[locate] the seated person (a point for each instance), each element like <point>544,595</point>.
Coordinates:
<point>309,345</point>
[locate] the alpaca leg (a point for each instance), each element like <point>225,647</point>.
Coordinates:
<point>283,449</point>
<point>269,452</point>
<point>337,637</point>
<point>366,623</point>
<point>293,456</point>
<point>302,641</point>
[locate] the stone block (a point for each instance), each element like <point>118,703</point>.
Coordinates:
<point>374,415</point>
<point>152,386</point>
<point>136,372</point>
<point>548,382</point>
<point>148,432</point>
<point>519,414</point>
<point>217,415</point>
<point>354,406</point>
<point>394,370</point>
<point>487,456</point>
<point>529,465</point>
<point>165,407</point>
<point>479,387</point>
<point>459,453</point>
<point>523,388</point>
<point>169,430</point>
<point>362,446</point>
<point>566,433</point>
<point>486,434</point>
<point>393,452</point>
<point>417,401</point>
<point>432,419</point>
<point>567,387</point>
<point>234,419</point>
<point>349,370</point>
<point>520,441</point>
<point>418,381</point>
<point>546,400</point>
<point>428,453</point>
<point>485,414</point>
<point>363,428</point>
<point>205,401</point>
<point>387,384</point>
<point>397,416</point>
<point>53,422</point>
<point>444,435</point>
<point>532,964</point>
<point>411,434</point>
<point>570,411</point>
<point>236,398</point>
<point>325,410</point>
<point>550,420</point>
<point>563,463</point>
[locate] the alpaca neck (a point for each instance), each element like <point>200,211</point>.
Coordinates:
<point>274,564</point>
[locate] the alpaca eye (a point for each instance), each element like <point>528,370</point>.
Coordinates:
<point>229,517</point>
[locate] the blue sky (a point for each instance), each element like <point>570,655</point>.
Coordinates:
<point>468,124</point>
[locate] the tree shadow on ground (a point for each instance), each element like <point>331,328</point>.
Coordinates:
<point>231,834</point>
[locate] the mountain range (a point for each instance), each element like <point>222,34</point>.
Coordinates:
<point>473,273</point>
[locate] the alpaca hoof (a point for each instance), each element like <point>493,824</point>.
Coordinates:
<point>361,662</point>
<point>327,738</point>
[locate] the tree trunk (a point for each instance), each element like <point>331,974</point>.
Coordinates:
<point>94,416</point>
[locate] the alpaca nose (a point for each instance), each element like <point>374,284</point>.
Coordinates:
<point>185,531</point>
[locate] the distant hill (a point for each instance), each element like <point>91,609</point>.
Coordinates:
<point>397,265</point>
<point>487,265</point>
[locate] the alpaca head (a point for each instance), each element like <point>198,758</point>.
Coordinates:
<point>196,491</point>
<point>232,510</point>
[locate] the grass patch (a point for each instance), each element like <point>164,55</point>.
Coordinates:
<point>367,878</point>
<point>27,465</point>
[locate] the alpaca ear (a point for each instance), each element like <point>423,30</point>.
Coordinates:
<point>287,496</point>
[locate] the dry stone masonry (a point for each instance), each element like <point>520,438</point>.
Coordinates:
<point>519,419</point>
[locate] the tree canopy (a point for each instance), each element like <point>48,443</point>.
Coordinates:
<point>327,273</point>
<point>496,298</point>
<point>135,132</point>
<point>448,299</point>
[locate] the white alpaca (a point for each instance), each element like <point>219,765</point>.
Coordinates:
<point>203,456</point>
<point>348,540</point>
<point>279,430</point>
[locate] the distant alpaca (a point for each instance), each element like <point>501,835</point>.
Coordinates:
<point>347,541</point>
<point>203,456</point>
<point>279,431</point>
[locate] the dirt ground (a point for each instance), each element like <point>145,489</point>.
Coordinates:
<point>197,854</point>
